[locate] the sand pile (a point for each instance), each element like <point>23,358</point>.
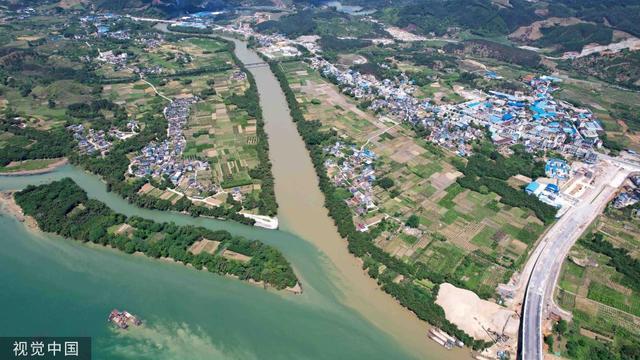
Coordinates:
<point>474,315</point>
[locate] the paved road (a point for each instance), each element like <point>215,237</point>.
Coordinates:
<point>546,261</point>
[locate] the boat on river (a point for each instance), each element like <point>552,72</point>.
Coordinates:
<point>444,339</point>
<point>123,319</point>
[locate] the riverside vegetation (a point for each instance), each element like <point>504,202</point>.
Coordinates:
<point>62,207</point>
<point>416,298</point>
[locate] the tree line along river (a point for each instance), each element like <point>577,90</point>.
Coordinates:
<point>58,287</point>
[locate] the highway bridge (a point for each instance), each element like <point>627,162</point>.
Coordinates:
<point>256,64</point>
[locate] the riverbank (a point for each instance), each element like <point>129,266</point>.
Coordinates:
<point>262,221</point>
<point>303,213</point>
<point>49,168</point>
<point>296,289</point>
<point>9,207</point>
<point>360,244</point>
<point>63,208</point>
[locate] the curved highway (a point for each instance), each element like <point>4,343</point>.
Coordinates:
<point>555,245</point>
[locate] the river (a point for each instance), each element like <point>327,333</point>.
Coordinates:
<point>54,286</point>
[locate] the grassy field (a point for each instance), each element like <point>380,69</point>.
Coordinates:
<point>27,165</point>
<point>172,57</point>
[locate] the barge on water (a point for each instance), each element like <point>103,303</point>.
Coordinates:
<point>123,319</point>
<point>444,339</point>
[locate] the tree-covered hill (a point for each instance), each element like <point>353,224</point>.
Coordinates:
<point>488,18</point>
<point>574,37</point>
<point>166,8</point>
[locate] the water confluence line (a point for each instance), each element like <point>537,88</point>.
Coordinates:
<point>302,212</point>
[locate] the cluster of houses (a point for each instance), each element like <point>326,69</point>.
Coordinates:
<point>91,141</point>
<point>629,195</point>
<point>189,24</point>
<point>367,87</point>
<point>200,20</point>
<point>148,70</point>
<point>119,61</point>
<point>183,58</point>
<point>150,40</point>
<point>104,23</point>
<point>117,35</point>
<point>166,158</point>
<point>18,14</point>
<point>557,169</point>
<point>132,129</point>
<point>395,99</point>
<point>353,168</point>
<point>238,76</point>
<point>276,46</point>
<point>536,120</point>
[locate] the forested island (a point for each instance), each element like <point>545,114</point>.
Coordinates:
<point>63,208</point>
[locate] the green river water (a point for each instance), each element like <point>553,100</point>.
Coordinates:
<point>57,287</point>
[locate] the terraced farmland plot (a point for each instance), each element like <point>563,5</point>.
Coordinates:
<point>179,56</point>
<point>602,299</point>
<point>224,135</point>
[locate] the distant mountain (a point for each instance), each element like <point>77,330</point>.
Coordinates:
<point>17,4</point>
<point>166,6</point>
<point>500,17</point>
<point>169,7</point>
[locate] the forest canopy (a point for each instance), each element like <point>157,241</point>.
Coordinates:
<point>62,207</point>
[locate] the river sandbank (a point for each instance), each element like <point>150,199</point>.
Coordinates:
<point>9,206</point>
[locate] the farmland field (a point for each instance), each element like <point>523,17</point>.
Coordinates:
<point>468,236</point>
<point>597,294</point>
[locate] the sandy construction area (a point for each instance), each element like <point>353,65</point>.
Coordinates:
<point>403,35</point>
<point>533,32</point>
<point>475,316</point>
<point>631,43</point>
